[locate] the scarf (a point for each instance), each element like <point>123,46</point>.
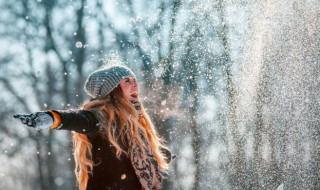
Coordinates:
<point>147,170</point>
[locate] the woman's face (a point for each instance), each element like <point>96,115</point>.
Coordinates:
<point>130,88</point>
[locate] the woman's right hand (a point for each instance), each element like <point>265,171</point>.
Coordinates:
<point>38,120</point>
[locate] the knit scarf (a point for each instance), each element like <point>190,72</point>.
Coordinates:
<point>147,170</point>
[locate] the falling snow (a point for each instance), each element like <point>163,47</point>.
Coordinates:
<point>233,86</point>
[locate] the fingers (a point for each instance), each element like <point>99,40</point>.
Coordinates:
<point>16,116</point>
<point>22,117</point>
<point>19,116</point>
<point>27,119</point>
<point>30,122</point>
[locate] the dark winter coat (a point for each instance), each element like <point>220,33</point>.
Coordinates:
<point>109,172</point>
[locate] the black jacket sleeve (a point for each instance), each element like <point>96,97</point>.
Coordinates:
<point>81,121</point>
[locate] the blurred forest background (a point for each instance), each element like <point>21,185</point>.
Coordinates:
<point>232,85</point>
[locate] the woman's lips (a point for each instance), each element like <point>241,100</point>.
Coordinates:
<point>135,95</point>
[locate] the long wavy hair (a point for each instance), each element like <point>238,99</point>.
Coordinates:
<point>118,113</point>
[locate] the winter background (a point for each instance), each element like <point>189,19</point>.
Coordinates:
<point>232,85</point>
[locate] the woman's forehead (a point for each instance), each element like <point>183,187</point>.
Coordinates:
<point>131,77</point>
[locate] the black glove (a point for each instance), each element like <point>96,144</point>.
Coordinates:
<point>137,105</point>
<point>168,155</point>
<point>38,120</point>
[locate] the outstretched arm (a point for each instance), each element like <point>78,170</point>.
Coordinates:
<point>81,121</point>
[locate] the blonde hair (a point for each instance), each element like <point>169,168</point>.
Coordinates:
<point>117,110</point>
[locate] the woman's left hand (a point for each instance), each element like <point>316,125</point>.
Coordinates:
<point>38,120</point>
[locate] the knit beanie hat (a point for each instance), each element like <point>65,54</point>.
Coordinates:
<point>102,81</point>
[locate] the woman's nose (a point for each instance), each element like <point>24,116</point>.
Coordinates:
<point>134,83</point>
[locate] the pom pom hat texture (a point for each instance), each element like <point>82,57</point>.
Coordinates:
<point>102,81</point>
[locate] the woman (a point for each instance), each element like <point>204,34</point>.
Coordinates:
<point>115,143</point>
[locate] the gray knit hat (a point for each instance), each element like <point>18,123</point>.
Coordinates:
<point>101,82</point>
